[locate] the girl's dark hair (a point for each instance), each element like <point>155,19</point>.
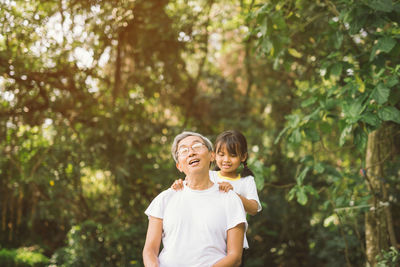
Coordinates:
<point>235,144</point>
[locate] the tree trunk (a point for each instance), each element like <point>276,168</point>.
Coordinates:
<point>378,220</point>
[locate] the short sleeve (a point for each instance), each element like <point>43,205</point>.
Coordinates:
<point>213,176</point>
<point>157,206</point>
<point>250,191</point>
<point>235,211</point>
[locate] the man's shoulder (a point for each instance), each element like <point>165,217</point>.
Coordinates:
<point>231,195</point>
<point>166,194</point>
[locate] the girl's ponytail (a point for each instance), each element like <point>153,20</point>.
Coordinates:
<point>246,171</point>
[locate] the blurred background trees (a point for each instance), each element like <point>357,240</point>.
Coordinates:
<point>93,92</point>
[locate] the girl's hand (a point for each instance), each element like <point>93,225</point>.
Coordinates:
<point>177,185</point>
<point>225,186</point>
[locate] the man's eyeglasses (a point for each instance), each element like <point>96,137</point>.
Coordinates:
<point>184,151</point>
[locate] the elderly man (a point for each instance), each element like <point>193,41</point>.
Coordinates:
<point>199,225</point>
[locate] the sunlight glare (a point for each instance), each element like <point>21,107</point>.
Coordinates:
<point>104,57</point>
<point>83,57</point>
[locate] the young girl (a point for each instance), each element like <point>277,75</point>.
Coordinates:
<point>230,152</point>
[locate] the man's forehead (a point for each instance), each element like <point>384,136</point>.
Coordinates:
<point>190,140</point>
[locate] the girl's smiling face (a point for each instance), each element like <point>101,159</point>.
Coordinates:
<point>228,161</point>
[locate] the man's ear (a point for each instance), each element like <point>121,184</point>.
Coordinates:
<point>178,166</point>
<point>212,156</point>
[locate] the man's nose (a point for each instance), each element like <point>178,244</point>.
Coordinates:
<point>191,151</point>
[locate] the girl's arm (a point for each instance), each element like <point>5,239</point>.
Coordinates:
<point>177,185</point>
<point>250,205</point>
<point>153,241</point>
<point>234,246</point>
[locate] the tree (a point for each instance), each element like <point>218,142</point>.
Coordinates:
<point>92,93</point>
<point>345,59</point>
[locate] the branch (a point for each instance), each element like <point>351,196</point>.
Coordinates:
<point>346,249</point>
<point>117,73</point>
<point>247,62</point>
<point>38,162</point>
<point>191,91</point>
<point>280,186</point>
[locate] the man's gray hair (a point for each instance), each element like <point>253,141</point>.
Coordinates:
<point>183,135</point>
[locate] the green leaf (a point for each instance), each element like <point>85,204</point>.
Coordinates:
<point>311,190</point>
<point>319,167</point>
<point>266,44</point>
<point>360,139</point>
<point>293,120</point>
<point>301,196</point>
<point>264,26</point>
<point>386,44</point>
<point>333,171</point>
<point>336,69</point>
<point>313,116</point>
<point>392,81</point>
<point>346,131</point>
<point>294,53</point>
<point>353,109</point>
<point>325,127</point>
<point>312,134</point>
<point>262,12</point>
<point>371,119</point>
<point>329,104</point>
<point>389,114</point>
<point>292,193</point>
<point>394,97</point>
<point>357,23</point>
<point>381,94</point>
<point>338,40</point>
<point>281,134</point>
<point>295,137</point>
<point>308,101</point>
<point>302,175</point>
<point>307,158</point>
<point>381,5</point>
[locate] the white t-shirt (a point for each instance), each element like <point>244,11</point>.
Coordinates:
<point>245,186</point>
<point>195,225</point>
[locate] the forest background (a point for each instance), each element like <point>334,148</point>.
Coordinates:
<point>93,92</point>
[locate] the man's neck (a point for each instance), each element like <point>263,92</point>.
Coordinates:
<point>199,181</point>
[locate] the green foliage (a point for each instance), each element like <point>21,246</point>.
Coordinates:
<point>350,88</point>
<point>93,92</point>
<point>7,257</point>
<point>344,58</point>
<point>22,257</point>
<point>390,258</point>
<point>96,244</point>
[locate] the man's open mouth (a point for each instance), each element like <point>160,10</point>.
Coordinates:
<point>193,161</point>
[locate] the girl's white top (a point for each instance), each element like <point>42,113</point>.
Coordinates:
<point>244,186</point>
